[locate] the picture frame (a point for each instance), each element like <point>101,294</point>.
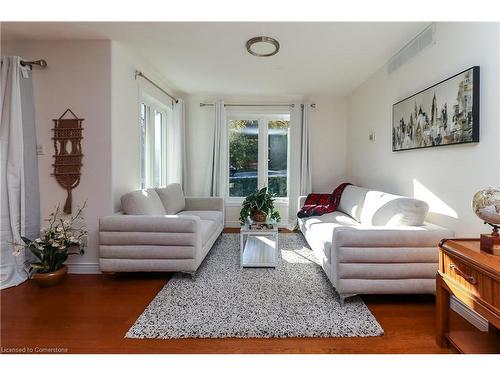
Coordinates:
<point>446,113</point>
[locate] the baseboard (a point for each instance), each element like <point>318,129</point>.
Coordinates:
<point>471,316</point>
<point>83,268</point>
<point>232,224</point>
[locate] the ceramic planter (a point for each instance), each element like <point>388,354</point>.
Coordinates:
<point>45,280</point>
<point>258,216</point>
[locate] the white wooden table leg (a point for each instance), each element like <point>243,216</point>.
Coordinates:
<point>276,250</point>
<point>241,250</point>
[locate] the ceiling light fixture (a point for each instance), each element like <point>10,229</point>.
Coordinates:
<point>263,46</point>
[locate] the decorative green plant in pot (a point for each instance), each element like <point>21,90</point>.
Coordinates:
<point>259,206</point>
<point>64,236</point>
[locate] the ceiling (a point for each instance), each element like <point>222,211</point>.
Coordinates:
<point>210,58</point>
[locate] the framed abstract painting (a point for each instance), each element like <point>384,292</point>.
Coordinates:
<point>446,113</point>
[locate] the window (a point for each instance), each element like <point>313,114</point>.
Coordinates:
<point>277,162</point>
<point>258,154</point>
<point>243,157</point>
<point>153,129</point>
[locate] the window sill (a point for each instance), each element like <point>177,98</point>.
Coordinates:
<point>237,202</point>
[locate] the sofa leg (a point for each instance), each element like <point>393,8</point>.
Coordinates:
<point>191,275</point>
<point>343,297</point>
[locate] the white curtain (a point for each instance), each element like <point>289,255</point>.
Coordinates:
<point>20,205</point>
<point>305,152</point>
<point>300,159</point>
<point>217,170</point>
<point>176,157</point>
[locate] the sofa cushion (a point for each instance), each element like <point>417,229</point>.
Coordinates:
<point>172,198</point>
<point>319,229</point>
<point>204,215</point>
<point>147,252</point>
<point>352,200</point>
<point>361,254</point>
<point>142,202</point>
<point>427,235</point>
<point>383,209</point>
<point>387,271</point>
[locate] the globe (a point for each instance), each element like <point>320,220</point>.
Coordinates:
<point>486,205</point>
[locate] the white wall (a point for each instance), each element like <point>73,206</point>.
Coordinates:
<point>446,177</point>
<point>77,77</point>
<point>125,92</point>
<point>328,142</point>
<point>328,132</point>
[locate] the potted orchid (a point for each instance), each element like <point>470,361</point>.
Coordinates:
<point>64,236</point>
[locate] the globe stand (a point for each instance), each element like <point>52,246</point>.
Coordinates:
<point>490,242</point>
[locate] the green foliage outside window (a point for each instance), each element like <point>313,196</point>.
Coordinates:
<point>243,157</point>
<point>243,150</point>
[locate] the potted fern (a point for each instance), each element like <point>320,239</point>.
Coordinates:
<point>259,206</point>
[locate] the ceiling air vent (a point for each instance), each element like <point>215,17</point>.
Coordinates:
<point>412,48</point>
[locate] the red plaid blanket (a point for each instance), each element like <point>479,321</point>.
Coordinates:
<point>320,204</point>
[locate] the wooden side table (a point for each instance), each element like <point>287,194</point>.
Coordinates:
<point>473,277</point>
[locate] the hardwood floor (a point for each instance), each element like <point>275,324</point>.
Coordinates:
<point>92,313</point>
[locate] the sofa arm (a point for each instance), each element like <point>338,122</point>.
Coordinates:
<point>204,204</point>
<point>427,235</point>
<point>301,201</point>
<point>149,223</point>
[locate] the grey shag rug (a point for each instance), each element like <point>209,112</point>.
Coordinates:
<point>294,300</point>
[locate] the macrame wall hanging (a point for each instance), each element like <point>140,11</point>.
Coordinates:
<point>68,153</point>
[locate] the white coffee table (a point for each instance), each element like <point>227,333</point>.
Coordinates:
<point>259,247</point>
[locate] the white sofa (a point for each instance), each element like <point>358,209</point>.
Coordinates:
<point>376,243</point>
<point>159,230</point>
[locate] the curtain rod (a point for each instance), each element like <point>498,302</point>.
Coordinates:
<point>140,74</point>
<point>254,105</point>
<point>41,63</point>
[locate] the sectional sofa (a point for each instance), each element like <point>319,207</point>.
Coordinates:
<point>376,243</point>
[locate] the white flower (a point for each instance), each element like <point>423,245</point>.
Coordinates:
<point>38,240</point>
<point>55,244</point>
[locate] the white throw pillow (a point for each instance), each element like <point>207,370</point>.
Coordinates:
<point>383,209</point>
<point>172,198</point>
<point>142,202</point>
<point>351,201</point>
